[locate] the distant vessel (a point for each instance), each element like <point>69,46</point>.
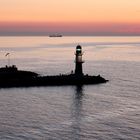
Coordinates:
<point>55,35</point>
<point>10,76</point>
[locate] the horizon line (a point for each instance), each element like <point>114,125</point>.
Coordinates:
<point>47,35</point>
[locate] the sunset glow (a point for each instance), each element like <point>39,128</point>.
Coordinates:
<point>73,17</point>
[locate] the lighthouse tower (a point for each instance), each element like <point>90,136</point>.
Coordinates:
<point>78,61</point>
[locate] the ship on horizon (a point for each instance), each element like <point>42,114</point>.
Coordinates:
<point>55,35</point>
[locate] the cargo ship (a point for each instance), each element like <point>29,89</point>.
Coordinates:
<point>55,35</point>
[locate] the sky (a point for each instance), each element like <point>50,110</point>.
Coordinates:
<point>70,17</point>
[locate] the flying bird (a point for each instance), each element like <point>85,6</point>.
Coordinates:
<point>7,54</point>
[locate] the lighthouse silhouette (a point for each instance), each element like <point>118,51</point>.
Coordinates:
<point>78,61</point>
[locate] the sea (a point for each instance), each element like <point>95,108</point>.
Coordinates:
<point>109,111</point>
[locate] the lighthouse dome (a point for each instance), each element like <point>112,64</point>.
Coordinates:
<point>78,47</point>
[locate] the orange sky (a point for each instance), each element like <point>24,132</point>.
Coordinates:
<point>92,16</point>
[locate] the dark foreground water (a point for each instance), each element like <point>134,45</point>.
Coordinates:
<point>108,111</point>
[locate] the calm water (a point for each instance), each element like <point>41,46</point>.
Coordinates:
<point>95,112</point>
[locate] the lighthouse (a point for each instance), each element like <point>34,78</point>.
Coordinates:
<point>78,61</point>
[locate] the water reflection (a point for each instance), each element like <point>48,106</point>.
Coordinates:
<point>77,112</point>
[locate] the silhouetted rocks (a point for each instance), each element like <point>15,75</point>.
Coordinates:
<point>12,77</point>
